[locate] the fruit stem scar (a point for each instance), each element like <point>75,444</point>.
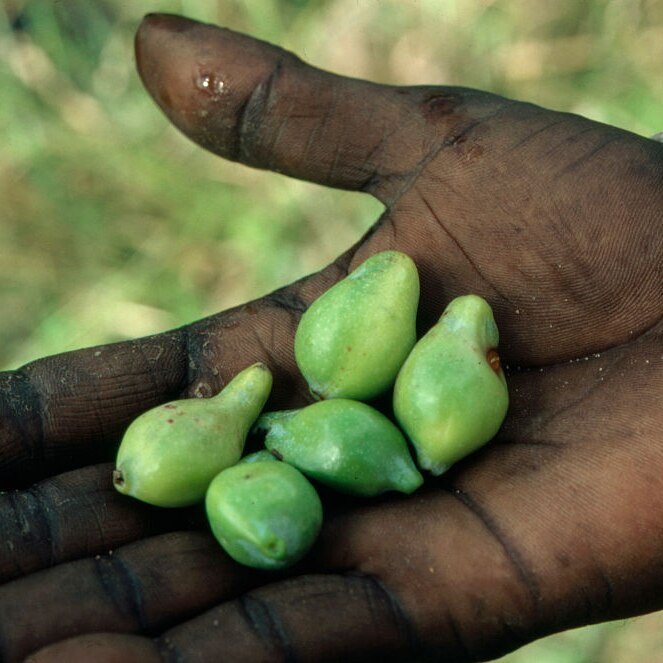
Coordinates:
<point>493,358</point>
<point>118,478</point>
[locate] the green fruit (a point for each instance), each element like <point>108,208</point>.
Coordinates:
<point>169,455</point>
<point>265,514</point>
<point>352,340</point>
<point>344,444</point>
<point>450,396</point>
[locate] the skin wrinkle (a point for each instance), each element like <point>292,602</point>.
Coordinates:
<point>287,300</point>
<point>123,588</point>
<point>406,178</point>
<point>582,160</point>
<point>101,399</point>
<point>26,526</point>
<point>372,183</point>
<point>193,351</point>
<point>609,592</point>
<point>98,520</point>
<point>265,347</point>
<point>266,624</point>
<point>287,116</point>
<point>34,445</point>
<point>563,144</point>
<point>45,515</point>
<point>388,221</point>
<point>555,414</point>
<point>459,136</point>
<point>608,352</point>
<point>319,129</point>
<point>533,134</point>
<point>474,266</point>
<point>15,558</point>
<point>372,585</point>
<point>512,554</point>
<point>458,637</point>
<point>448,140</point>
<point>375,175</point>
<point>149,366</point>
<point>253,112</point>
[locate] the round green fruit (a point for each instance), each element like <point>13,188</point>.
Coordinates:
<point>265,514</point>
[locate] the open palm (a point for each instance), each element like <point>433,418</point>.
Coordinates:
<point>556,220</point>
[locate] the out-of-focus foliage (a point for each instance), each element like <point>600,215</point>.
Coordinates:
<point>112,225</point>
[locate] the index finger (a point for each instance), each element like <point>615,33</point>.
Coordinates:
<point>69,410</point>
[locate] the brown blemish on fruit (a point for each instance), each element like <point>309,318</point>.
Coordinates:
<point>118,478</point>
<point>493,358</point>
<point>170,406</point>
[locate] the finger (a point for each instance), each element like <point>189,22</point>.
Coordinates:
<point>74,405</point>
<point>252,102</point>
<point>99,648</point>
<point>144,586</point>
<point>310,618</point>
<point>71,516</point>
<point>71,409</point>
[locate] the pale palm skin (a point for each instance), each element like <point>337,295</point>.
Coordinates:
<point>554,219</point>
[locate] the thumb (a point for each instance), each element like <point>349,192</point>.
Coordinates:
<point>249,101</point>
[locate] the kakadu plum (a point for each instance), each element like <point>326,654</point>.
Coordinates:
<point>451,396</point>
<point>344,444</point>
<point>264,513</point>
<point>169,455</point>
<point>352,340</point>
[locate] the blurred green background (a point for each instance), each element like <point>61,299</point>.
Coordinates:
<point>112,225</point>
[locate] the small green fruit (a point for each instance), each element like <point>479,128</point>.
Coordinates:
<point>265,514</point>
<point>169,454</point>
<point>450,396</point>
<point>352,340</point>
<point>344,444</point>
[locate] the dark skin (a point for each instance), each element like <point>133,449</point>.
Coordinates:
<point>554,219</point>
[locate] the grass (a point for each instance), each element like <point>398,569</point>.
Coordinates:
<point>112,225</point>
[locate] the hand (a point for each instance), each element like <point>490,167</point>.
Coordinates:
<point>556,220</point>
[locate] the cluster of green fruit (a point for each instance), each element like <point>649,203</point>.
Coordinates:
<point>353,344</point>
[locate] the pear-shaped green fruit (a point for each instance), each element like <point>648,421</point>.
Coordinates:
<point>265,514</point>
<point>169,454</point>
<point>344,444</point>
<point>450,396</point>
<point>352,340</point>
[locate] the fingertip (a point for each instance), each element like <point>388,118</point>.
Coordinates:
<point>200,75</point>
